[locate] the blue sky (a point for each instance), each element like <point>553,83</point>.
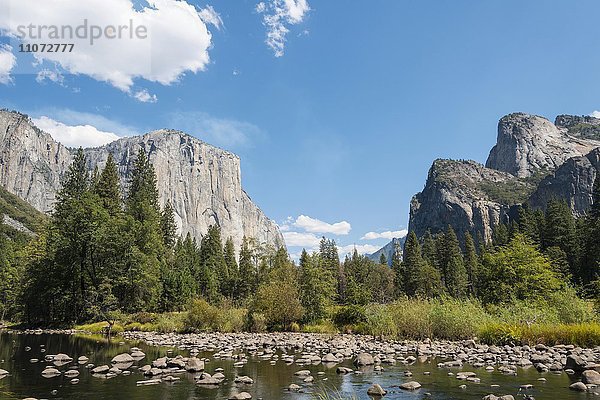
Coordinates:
<point>343,126</point>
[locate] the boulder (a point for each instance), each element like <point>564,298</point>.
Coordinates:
<point>364,359</point>
<point>590,377</point>
<point>194,364</point>
<point>122,359</point>
<point>376,390</point>
<point>412,385</point>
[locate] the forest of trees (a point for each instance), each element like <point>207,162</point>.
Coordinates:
<point>106,251</point>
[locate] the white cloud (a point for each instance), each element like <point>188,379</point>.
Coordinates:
<point>317,226</point>
<point>7,62</point>
<point>361,248</point>
<point>224,132</point>
<point>72,117</point>
<point>145,97</point>
<point>47,74</point>
<point>177,38</point>
<point>210,16</point>
<point>301,239</point>
<point>74,136</point>
<point>278,15</point>
<point>385,235</point>
<point>595,114</point>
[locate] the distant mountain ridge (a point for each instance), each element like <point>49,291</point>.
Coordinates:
<point>396,244</point>
<point>202,182</point>
<point>533,161</point>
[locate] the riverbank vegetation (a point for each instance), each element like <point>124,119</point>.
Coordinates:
<point>109,257</point>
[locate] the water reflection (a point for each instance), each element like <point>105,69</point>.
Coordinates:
<point>25,358</point>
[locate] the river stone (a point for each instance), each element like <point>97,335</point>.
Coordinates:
<point>194,364</point>
<point>122,359</point>
<point>576,363</point>
<point>62,358</point>
<point>72,373</point>
<point>83,360</point>
<point>103,369</point>
<point>302,373</point>
<point>3,373</point>
<point>50,373</point>
<point>376,390</point>
<point>329,358</point>
<point>343,370</point>
<point>364,359</point>
<point>590,377</point>
<point>244,379</point>
<point>240,396</point>
<point>578,386</point>
<point>412,385</point>
<point>293,387</point>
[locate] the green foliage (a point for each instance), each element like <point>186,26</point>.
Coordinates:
<point>517,271</point>
<point>584,335</point>
<point>349,315</point>
<point>204,317</point>
<point>317,286</point>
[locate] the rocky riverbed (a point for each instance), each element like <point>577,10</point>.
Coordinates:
<point>292,366</point>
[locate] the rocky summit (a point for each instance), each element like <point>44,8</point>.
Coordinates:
<point>533,161</point>
<point>202,182</point>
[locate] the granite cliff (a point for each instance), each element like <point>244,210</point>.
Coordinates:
<point>202,182</point>
<point>533,161</point>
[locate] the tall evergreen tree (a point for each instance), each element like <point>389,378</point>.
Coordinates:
<point>108,187</point>
<point>247,272</point>
<point>230,287</point>
<point>213,269</point>
<point>168,227</point>
<point>471,264</point>
<point>454,270</point>
<point>383,259</point>
<point>412,265</point>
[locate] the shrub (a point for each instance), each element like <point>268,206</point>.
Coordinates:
<point>585,335</point>
<point>323,326</point>
<point>456,319</point>
<point>201,316</point>
<point>380,321</point>
<point>412,318</point>
<point>349,315</point>
<point>256,322</point>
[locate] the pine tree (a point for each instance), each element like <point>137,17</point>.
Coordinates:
<point>108,187</point>
<point>316,291</point>
<point>454,269</point>
<point>247,272</point>
<point>232,268</point>
<point>213,269</point>
<point>142,201</point>
<point>382,259</point>
<point>398,270</point>
<point>334,270</point>
<point>471,264</point>
<point>407,281</point>
<point>560,231</point>
<point>168,227</point>
<point>429,250</point>
<point>589,269</point>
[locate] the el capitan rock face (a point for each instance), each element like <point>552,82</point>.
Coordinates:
<point>533,161</point>
<point>202,182</point>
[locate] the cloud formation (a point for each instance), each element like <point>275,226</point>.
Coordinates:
<point>7,62</point>
<point>144,97</point>
<point>361,248</point>
<point>385,235</point>
<point>74,136</point>
<point>177,38</point>
<point>301,239</point>
<point>595,114</point>
<point>317,226</point>
<point>278,15</point>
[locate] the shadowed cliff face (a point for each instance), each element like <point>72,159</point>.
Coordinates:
<point>202,182</point>
<point>533,161</point>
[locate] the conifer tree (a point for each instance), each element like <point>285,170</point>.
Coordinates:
<point>247,272</point>
<point>232,268</point>
<point>412,265</point>
<point>382,259</point>
<point>168,227</point>
<point>471,264</point>
<point>213,269</point>
<point>108,187</point>
<point>454,269</point>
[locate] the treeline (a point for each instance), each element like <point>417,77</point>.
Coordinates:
<point>105,253</point>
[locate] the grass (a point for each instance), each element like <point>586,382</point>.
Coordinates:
<point>331,394</point>
<point>584,335</point>
<point>561,318</point>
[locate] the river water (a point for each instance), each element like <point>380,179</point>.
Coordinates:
<point>270,381</point>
